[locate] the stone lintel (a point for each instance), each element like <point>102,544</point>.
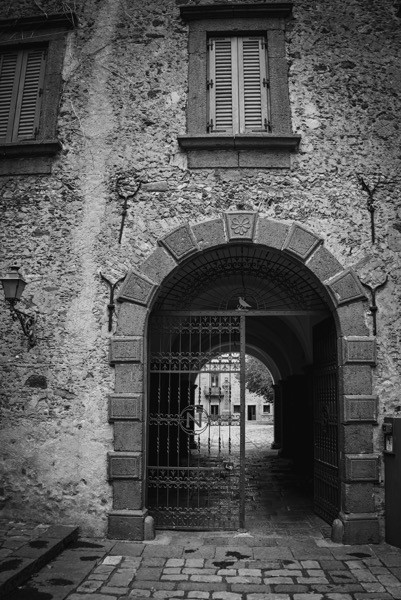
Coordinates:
<point>359,349</point>
<point>360,409</point>
<point>240,225</point>
<point>126,349</point>
<point>127,524</point>
<point>361,467</point>
<point>125,407</point>
<point>301,242</point>
<point>180,242</point>
<point>124,465</point>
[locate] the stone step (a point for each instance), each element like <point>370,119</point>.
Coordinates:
<point>18,567</point>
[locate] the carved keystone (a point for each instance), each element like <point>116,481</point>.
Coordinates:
<point>240,225</point>
<point>136,288</point>
<point>346,287</point>
<point>180,242</point>
<point>124,465</point>
<point>359,350</point>
<point>125,407</point>
<point>128,349</point>
<point>301,242</point>
<point>361,467</point>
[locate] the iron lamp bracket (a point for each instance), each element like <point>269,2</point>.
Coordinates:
<point>27,322</point>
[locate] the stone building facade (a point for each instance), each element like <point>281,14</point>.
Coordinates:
<point>123,178</point>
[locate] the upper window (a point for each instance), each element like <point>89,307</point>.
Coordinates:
<point>31,63</point>
<point>21,90</point>
<point>238,85</point>
<point>238,111</point>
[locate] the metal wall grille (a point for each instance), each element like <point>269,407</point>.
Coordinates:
<point>194,467</point>
<point>325,389</point>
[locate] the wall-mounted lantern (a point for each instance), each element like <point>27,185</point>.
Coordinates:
<point>13,286</point>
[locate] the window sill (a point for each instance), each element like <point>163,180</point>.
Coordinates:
<point>216,141</point>
<point>29,149</point>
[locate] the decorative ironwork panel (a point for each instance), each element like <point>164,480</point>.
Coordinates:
<point>325,391</point>
<point>193,468</point>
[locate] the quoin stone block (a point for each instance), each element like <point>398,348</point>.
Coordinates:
<point>359,350</point>
<point>125,406</point>
<point>360,409</point>
<point>361,467</point>
<point>125,465</point>
<point>126,350</point>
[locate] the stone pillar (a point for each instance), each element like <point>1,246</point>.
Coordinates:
<point>360,467</point>
<point>126,462</point>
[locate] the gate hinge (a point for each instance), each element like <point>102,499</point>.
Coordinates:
<point>268,126</point>
<point>266,82</point>
<point>209,126</point>
<point>209,83</point>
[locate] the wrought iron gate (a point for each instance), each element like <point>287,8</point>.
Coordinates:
<point>325,391</point>
<point>196,472</point>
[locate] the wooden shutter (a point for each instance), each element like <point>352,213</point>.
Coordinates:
<point>238,85</point>
<point>9,68</point>
<point>252,84</point>
<point>223,84</point>
<point>30,94</point>
<point>21,85</point>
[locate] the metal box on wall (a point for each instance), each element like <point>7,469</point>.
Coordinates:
<point>392,483</point>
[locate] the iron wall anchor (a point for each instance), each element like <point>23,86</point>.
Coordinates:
<point>111,305</point>
<point>373,307</point>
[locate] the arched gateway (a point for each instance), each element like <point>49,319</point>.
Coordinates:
<point>235,285</point>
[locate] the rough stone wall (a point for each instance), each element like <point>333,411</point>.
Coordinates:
<point>123,104</point>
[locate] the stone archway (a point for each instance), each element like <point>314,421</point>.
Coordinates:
<point>128,353</point>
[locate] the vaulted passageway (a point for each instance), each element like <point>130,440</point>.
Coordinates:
<point>226,303</point>
<point>294,307</point>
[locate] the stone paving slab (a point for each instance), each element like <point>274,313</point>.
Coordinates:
<point>181,565</point>
<point>33,548</point>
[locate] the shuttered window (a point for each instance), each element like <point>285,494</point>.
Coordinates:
<point>238,85</point>
<point>21,87</point>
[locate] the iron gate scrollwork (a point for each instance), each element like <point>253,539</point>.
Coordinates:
<point>325,391</point>
<point>193,473</point>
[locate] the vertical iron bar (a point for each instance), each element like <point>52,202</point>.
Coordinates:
<point>242,424</point>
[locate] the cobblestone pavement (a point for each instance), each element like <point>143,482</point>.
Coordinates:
<point>220,566</point>
<point>285,554</point>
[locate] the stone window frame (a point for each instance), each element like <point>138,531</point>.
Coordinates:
<point>257,150</point>
<point>34,156</point>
